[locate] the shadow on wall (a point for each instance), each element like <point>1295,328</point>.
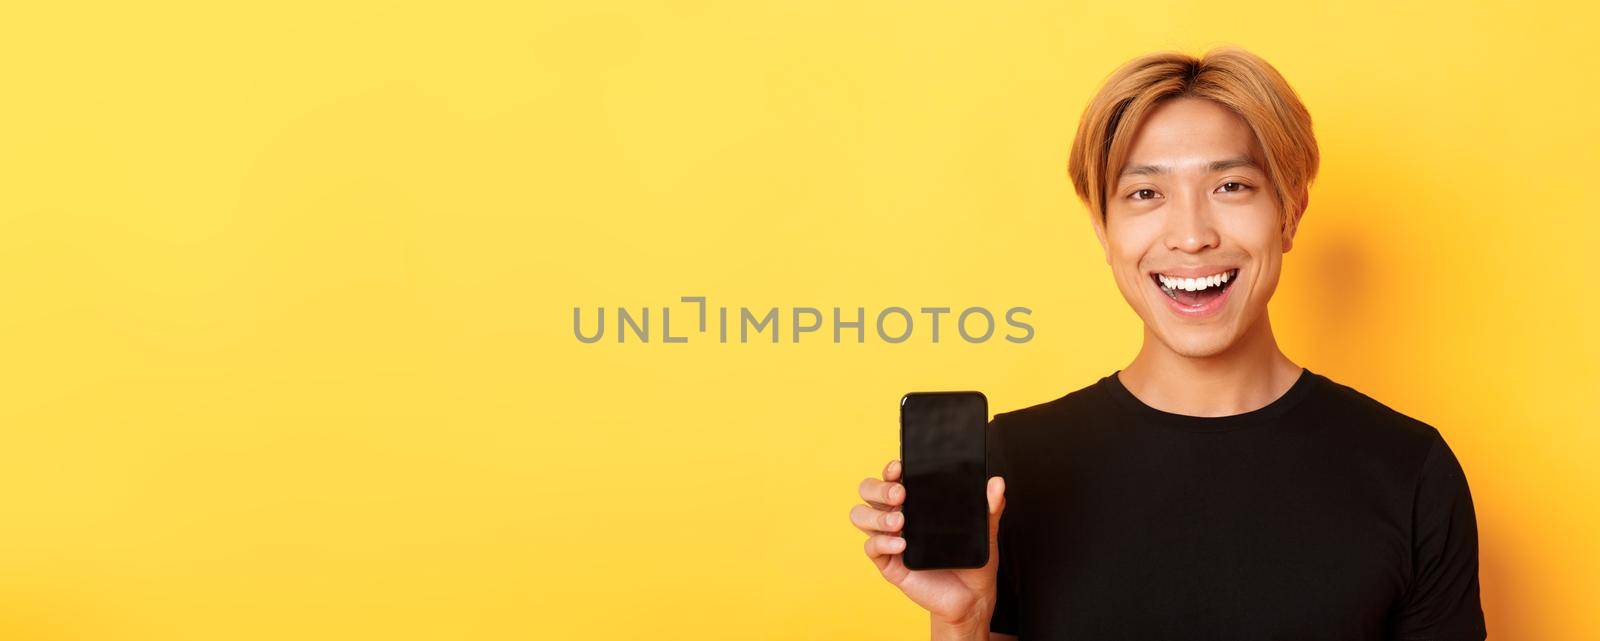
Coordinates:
<point>1356,290</point>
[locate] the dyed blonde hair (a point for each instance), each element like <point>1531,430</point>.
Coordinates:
<point>1230,76</point>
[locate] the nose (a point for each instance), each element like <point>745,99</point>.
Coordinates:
<point>1189,227</point>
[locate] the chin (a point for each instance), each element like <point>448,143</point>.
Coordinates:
<point>1193,343</point>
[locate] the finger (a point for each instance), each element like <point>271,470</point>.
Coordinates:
<point>891,472</point>
<point>882,495</point>
<point>881,547</point>
<point>997,494</point>
<point>874,521</point>
<point>997,505</point>
<point>895,571</point>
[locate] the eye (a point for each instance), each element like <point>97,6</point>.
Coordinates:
<point>1139,194</point>
<point>1237,186</point>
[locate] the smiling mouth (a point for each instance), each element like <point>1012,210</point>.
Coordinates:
<point>1195,292</point>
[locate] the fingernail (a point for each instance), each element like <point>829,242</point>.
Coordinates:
<point>897,543</point>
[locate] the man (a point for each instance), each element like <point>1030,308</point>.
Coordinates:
<point>1211,489</point>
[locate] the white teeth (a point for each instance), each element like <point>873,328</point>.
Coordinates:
<point>1194,284</point>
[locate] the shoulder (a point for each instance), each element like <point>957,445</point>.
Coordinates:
<point>1023,441</point>
<point>1086,401</point>
<point>1033,431</point>
<point>1353,409</point>
<point>1374,430</point>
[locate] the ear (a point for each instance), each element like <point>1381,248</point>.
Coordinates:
<point>1100,233</point>
<point>1290,230</point>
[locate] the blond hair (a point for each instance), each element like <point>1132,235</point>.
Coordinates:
<point>1229,76</point>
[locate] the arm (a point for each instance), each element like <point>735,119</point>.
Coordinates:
<point>1442,602</point>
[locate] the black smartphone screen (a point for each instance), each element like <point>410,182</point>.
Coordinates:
<point>941,453</point>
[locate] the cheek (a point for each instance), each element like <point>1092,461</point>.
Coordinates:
<point>1258,222</point>
<point>1130,238</point>
<point>1256,231</point>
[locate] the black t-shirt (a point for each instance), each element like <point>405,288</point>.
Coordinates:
<point>1323,515</point>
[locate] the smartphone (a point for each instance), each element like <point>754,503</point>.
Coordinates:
<point>942,461</point>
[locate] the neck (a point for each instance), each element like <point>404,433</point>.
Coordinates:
<point>1247,376</point>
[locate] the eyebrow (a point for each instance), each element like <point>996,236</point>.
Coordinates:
<point>1216,165</point>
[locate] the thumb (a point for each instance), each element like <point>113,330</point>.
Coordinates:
<point>997,504</point>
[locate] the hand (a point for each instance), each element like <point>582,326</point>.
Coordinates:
<point>955,597</point>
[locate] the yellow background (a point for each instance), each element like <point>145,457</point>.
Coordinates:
<point>287,294</point>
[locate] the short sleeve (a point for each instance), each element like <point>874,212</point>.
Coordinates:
<point>1004,619</point>
<point>1442,601</point>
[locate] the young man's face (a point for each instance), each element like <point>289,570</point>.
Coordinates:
<point>1193,229</point>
